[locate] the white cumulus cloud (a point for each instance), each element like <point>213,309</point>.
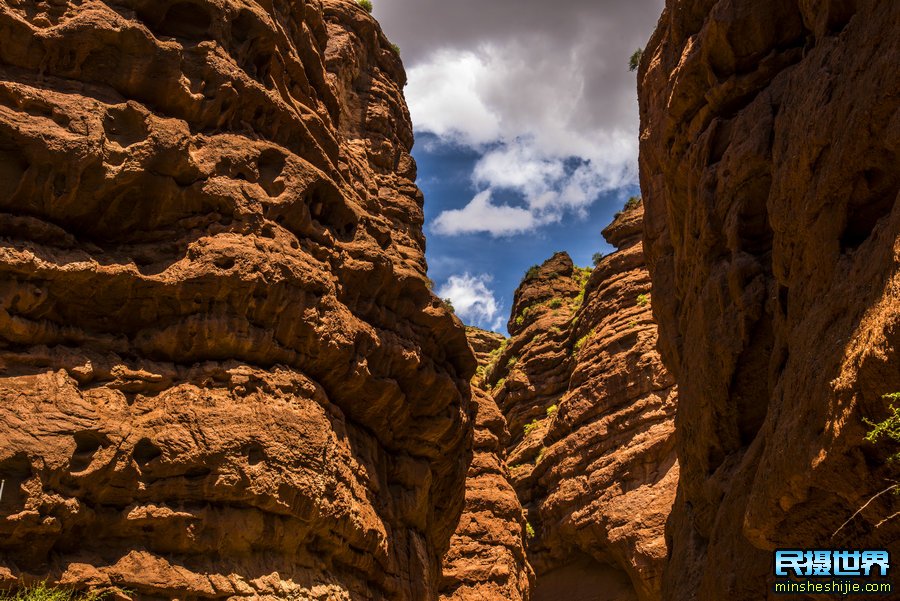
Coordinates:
<point>473,300</point>
<point>482,215</point>
<point>527,116</point>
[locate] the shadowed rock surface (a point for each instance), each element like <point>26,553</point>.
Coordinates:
<point>590,409</point>
<point>221,372</point>
<point>486,560</point>
<point>769,168</point>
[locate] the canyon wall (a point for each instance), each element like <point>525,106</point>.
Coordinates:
<point>590,410</point>
<point>486,560</point>
<point>222,373</point>
<point>769,169</point>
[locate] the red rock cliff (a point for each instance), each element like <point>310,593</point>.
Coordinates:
<point>590,410</point>
<point>221,372</point>
<point>769,167</point>
<point>486,560</point>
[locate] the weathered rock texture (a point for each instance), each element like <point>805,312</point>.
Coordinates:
<point>590,408</point>
<point>486,560</point>
<point>223,374</point>
<point>769,166</point>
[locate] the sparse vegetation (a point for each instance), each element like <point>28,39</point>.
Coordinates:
<point>634,61</point>
<point>529,530</point>
<point>582,275</point>
<point>889,428</point>
<point>366,5</point>
<point>532,272</point>
<point>643,300</point>
<point>43,592</point>
<point>630,204</point>
<point>632,324</point>
<point>578,299</point>
<point>521,317</point>
<point>551,410</point>
<point>448,304</point>
<point>499,383</point>
<point>582,340</point>
<point>598,256</point>
<point>494,356</point>
<point>555,303</point>
<point>512,362</point>
<point>540,455</point>
<point>395,48</point>
<point>531,427</point>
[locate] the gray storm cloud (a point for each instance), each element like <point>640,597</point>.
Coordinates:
<point>594,36</point>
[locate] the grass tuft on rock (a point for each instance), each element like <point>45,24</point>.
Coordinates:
<point>44,592</point>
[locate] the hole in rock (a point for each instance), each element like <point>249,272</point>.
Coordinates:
<point>244,26</point>
<point>271,164</point>
<point>255,455</point>
<point>326,205</point>
<point>86,444</point>
<point>186,20</point>
<point>262,66</point>
<point>145,451</point>
<point>14,471</point>
<point>12,170</point>
<point>224,262</point>
<point>125,126</point>
<point>838,15</point>
<point>877,193</point>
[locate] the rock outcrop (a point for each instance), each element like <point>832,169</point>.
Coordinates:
<point>590,408</point>
<point>770,134</point>
<point>486,560</point>
<point>222,374</point>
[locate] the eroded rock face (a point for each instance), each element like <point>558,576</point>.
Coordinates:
<point>769,166</point>
<point>223,374</point>
<point>590,410</point>
<point>486,560</point>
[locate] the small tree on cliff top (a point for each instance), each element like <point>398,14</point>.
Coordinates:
<point>635,61</point>
<point>366,5</point>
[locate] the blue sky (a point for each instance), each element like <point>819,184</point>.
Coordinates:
<point>526,126</point>
<point>498,261</point>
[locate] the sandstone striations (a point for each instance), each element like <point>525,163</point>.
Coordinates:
<point>222,373</point>
<point>486,560</point>
<point>769,166</point>
<point>590,408</point>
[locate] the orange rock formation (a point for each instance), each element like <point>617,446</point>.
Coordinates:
<point>222,374</point>
<point>769,167</point>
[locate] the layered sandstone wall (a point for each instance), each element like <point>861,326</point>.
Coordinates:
<point>770,172</point>
<point>487,560</point>
<point>222,373</point>
<point>590,409</point>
